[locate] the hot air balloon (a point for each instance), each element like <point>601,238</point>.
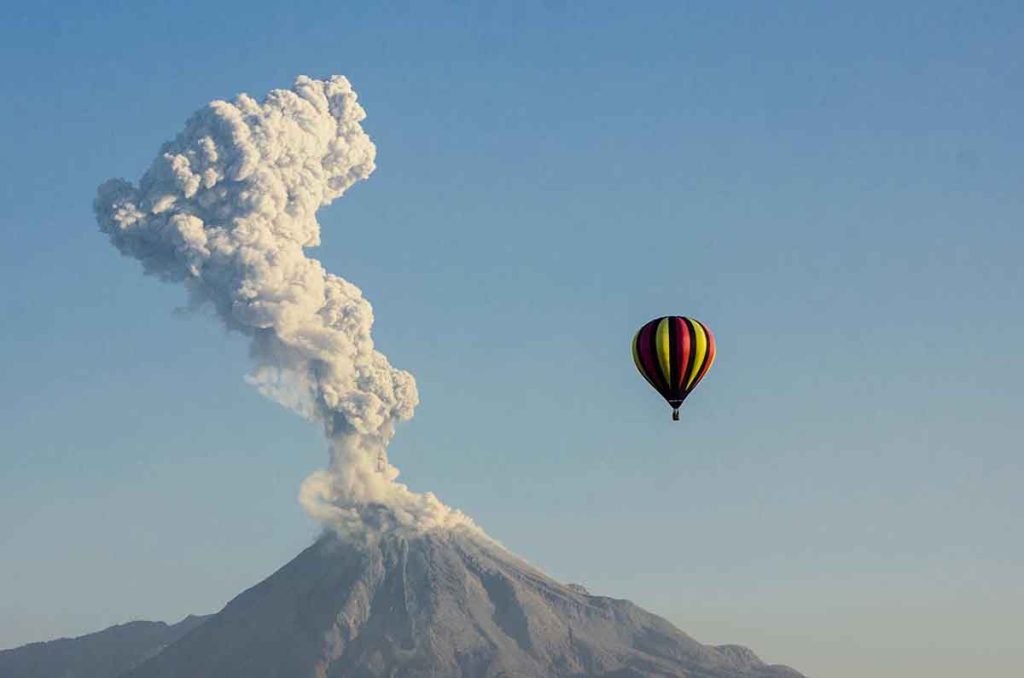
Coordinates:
<point>673,354</point>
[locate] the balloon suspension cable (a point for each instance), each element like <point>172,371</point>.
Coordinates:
<point>382,461</point>
<point>675,414</point>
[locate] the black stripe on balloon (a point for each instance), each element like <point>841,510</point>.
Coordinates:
<point>652,351</point>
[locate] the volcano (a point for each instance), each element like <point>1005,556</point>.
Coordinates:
<point>440,603</point>
<point>228,208</point>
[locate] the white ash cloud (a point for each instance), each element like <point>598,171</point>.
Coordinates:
<point>227,208</point>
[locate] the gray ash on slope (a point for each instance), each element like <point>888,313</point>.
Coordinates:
<point>443,603</point>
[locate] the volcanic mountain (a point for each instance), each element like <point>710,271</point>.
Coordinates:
<point>228,208</point>
<point>440,603</point>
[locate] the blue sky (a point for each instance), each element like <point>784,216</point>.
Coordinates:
<point>834,191</point>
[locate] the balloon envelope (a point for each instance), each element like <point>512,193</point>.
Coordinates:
<point>673,353</point>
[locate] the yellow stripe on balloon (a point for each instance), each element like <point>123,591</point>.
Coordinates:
<point>700,349</point>
<point>664,350</point>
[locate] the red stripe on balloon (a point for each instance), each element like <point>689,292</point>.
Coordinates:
<point>685,347</point>
<point>648,356</point>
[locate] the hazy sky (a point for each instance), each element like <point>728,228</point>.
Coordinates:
<point>835,192</point>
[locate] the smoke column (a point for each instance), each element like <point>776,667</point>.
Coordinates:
<point>227,208</point>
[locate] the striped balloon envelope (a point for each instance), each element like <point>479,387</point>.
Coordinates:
<point>673,353</point>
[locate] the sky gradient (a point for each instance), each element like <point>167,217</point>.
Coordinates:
<point>835,192</point>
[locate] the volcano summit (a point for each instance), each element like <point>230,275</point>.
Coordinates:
<point>444,603</point>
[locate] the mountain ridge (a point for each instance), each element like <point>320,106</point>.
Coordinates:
<point>102,654</point>
<point>440,603</point>
<point>444,603</point>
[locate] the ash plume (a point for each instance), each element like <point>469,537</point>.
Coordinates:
<point>227,208</point>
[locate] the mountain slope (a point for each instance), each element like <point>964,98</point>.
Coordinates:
<point>105,654</point>
<point>440,604</point>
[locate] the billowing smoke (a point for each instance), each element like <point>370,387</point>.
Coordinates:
<point>227,208</point>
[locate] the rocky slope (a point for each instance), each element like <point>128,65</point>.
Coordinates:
<point>106,654</point>
<point>441,604</point>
